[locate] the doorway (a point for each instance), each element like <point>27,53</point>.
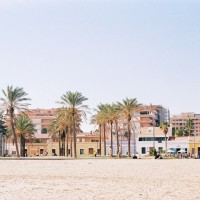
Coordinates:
<point>41,151</point>
<point>91,151</point>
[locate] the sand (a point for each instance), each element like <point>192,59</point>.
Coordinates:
<point>100,179</point>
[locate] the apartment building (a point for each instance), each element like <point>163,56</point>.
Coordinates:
<point>41,118</point>
<point>153,115</point>
<point>179,121</point>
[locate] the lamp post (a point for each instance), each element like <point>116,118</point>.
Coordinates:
<point>153,140</point>
<point>194,146</point>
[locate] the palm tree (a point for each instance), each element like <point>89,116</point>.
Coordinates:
<point>95,119</point>
<point>179,132</point>
<point>128,107</point>
<point>54,131</point>
<point>2,125</point>
<point>189,126</point>
<point>25,130</point>
<point>100,118</point>
<point>164,126</point>
<point>112,117</point>
<point>74,101</point>
<point>14,100</point>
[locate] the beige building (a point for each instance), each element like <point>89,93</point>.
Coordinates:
<point>87,145</point>
<point>179,121</point>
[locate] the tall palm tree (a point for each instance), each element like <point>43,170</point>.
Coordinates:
<point>100,119</point>
<point>95,119</point>
<point>59,129</point>
<point>189,127</point>
<point>14,100</point>
<point>128,107</point>
<point>112,117</point>
<point>2,125</point>
<point>54,131</point>
<point>74,101</point>
<point>179,132</point>
<point>164,126</point>
<point>25,130</point>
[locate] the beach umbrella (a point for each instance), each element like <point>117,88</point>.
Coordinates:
<point>181,151</point>
<point>170,151</point>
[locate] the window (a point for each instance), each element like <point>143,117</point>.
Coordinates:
<point>94,140</point>
<point>91,150</point>
<point>81,151</point>
<point>44,131</point>
<point>98,151</point>
<point>143,150</point>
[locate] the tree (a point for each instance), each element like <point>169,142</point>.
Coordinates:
<point>179,132</point>
<point>164,126</point>
<point>25,130</point>
<point>14,100</point>
<point>100,118</point>
<point>128,107</point>
<point>112,112</point>
<point>189,126</point>
<point>2,125</point>
<point>74,102</point>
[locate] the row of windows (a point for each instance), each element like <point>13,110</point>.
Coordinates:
<point>158,139</point>
<point>184,120</point>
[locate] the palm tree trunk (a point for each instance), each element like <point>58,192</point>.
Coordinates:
<point>71,144</point>
<point>165,143</point>
<point>61,144</point>
<point>59,138</point>
<point>111,135</point>
<point>116,130</point>
<point>99,140</point>
<point>67,132</point>
<point>104,138</point>
<point>74,129</point>
<point>64,143</point>
<point>22,146</point>
<point>129,139</point>
<point>14,133</point>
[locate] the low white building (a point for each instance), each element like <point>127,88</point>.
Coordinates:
<point>153,138</point>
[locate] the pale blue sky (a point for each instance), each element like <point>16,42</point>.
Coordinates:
<point>108,50</point>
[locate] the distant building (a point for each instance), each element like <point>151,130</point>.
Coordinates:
<point>41,118</point>
<point>179,121</point>
<point>153,116</point>
<point>151,138</point>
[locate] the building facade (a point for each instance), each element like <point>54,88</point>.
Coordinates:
<point>179,121</point>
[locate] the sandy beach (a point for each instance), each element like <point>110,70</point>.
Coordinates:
<point>100,179</point>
